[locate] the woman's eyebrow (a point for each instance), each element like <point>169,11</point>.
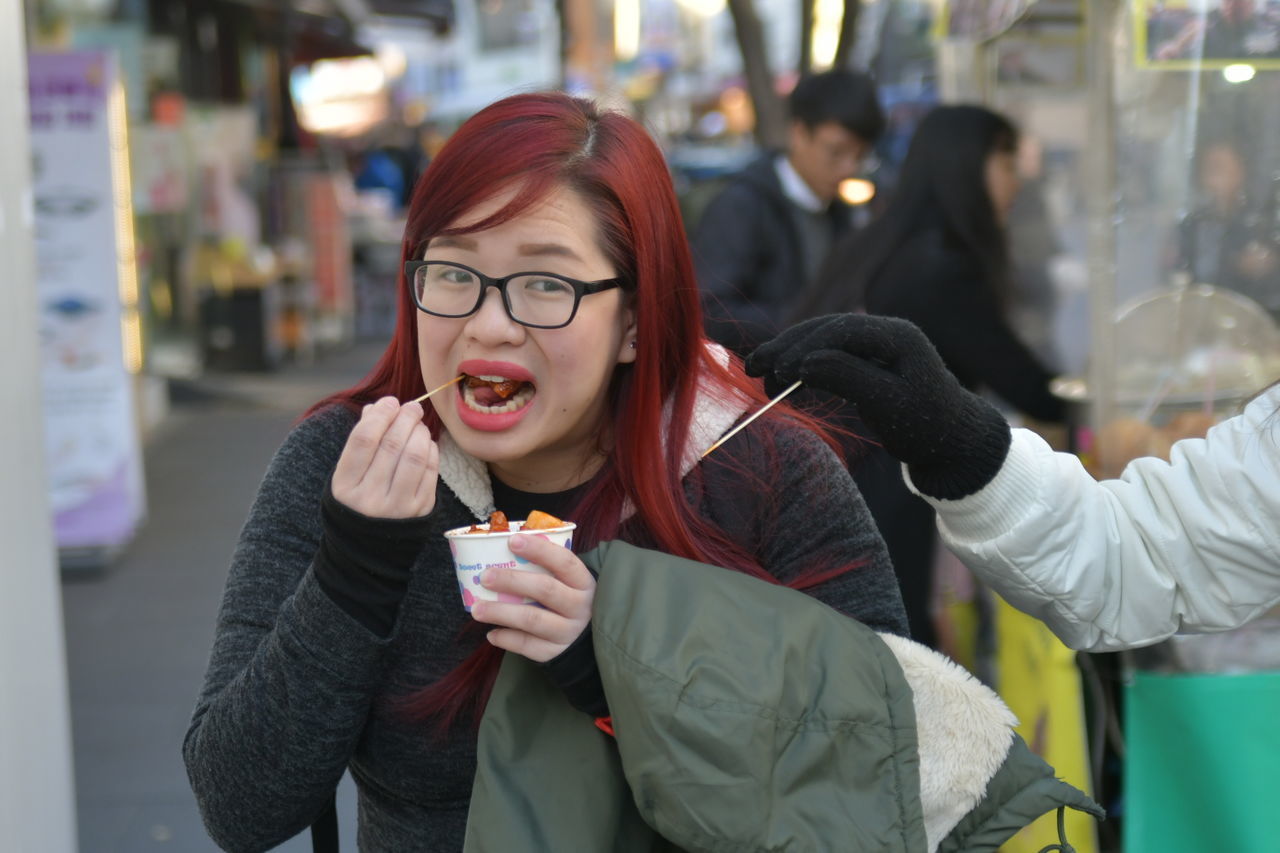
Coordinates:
<point>453,242</point>
<point>533,250</point>
<point>548,250</point>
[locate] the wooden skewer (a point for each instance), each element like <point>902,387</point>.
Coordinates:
<point>766,407</point>
<point>434,390</point>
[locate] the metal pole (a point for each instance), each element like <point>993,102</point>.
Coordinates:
<point>1100,182</point>
<point>37,799</point>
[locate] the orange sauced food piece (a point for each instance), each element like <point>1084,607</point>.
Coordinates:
<point>497,524</point>
<point>539,520</point>
<point>503,389</point>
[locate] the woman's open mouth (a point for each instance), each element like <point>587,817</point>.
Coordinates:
<point>494,395</point>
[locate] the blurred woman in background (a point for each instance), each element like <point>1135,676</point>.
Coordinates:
<point>938,256</point>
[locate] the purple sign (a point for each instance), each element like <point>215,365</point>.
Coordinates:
<point>85,278</point>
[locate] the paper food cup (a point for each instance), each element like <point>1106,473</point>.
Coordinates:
<point>473,553</point>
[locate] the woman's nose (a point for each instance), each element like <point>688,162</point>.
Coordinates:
<point>491,324</point>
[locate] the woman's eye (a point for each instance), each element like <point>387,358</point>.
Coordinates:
<point>548,287</point>
<point>457,276</point>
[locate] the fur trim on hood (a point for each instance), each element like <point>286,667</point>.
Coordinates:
<point>963,729</point>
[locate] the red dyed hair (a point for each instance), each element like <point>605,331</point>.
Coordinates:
<point>539,142</point>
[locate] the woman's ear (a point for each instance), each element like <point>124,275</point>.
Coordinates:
<point>627,349</point>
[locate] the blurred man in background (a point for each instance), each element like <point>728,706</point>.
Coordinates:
<point>762,239</point>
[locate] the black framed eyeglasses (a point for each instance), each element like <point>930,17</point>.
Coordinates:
<point>539,300</point>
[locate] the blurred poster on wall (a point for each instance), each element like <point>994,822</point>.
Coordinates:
<point>87,290</point>
<point>1180,35</point>
<point>160,168</point>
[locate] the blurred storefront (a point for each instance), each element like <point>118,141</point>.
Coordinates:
<point>228,211</point>
<point>239,142</point>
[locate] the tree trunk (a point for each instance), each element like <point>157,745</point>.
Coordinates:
<point>848,34</point>
<point>771,119</point>
<point>806,36</point>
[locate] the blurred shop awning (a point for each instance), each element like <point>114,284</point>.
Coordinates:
<point>437,14</point>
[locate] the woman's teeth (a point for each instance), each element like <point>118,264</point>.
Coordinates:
<point>515,402</point>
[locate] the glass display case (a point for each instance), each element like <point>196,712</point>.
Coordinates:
<point>1152,135</point>
<point>1185,358</point>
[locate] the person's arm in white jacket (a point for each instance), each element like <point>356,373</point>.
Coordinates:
<point>1192,544</point>
<point>1188,545</point>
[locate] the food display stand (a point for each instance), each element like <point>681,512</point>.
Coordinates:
<point>1166,145</point>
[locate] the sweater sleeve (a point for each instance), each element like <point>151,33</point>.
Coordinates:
<point>291,675</point>
<point>808,519</point>
<point>1186,545</point>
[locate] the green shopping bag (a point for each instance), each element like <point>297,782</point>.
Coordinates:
<point>1202,763</point>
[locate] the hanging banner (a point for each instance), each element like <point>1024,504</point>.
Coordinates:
<point>87,287</point>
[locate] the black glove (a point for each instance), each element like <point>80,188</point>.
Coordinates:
<point>953,441</point>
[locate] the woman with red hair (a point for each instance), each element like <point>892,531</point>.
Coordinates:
<point>589,392</point>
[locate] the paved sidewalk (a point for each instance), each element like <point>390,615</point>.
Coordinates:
<point>138,634</point>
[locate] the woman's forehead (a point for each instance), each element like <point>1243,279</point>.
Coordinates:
<point>560,216</point>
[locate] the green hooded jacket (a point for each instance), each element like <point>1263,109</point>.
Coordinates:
<point>749,718</point>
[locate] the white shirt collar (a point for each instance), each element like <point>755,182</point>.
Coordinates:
<point>794,187</point>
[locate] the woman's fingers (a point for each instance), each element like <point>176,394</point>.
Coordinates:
<point>537,622</point>
<point>382,467</point>
<point>562,563</point>
<point>526,645</point>
<point>527,629</point>
<point>363,442</point>
<point>424,495</point>
<point>414,479</point>
<point>553,595</point>
<point>390,464</point>
<point>566,595</point>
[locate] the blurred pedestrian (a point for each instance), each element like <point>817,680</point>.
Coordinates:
<point>1189,545</point>
<point>938,256</point>
<point>1223,241</point>
<point>378,170</point>
<point>763,238</point>
<point>589,391</point>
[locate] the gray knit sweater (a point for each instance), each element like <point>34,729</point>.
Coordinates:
<point>297,691</point>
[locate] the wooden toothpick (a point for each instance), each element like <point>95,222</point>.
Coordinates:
<point>434,390</point>
<point>766,407</point>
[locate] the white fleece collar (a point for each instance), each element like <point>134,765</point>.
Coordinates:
<point>713,414</point>
<point>963,731</point>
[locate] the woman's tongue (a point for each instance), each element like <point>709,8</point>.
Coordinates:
<point>486,396</point>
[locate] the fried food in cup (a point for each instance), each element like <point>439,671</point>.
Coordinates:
<point>539,520</point>
<point>497,524</point>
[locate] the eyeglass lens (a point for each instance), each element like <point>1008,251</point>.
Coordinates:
<point>452,291</point>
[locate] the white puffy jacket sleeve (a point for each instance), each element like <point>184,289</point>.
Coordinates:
<point>1189,545</point>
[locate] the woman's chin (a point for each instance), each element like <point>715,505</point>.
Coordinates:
<point>496,454</point>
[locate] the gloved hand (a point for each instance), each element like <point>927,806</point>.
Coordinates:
<point>952,440</point>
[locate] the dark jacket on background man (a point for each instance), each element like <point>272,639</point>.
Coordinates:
<point>755,250</point>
